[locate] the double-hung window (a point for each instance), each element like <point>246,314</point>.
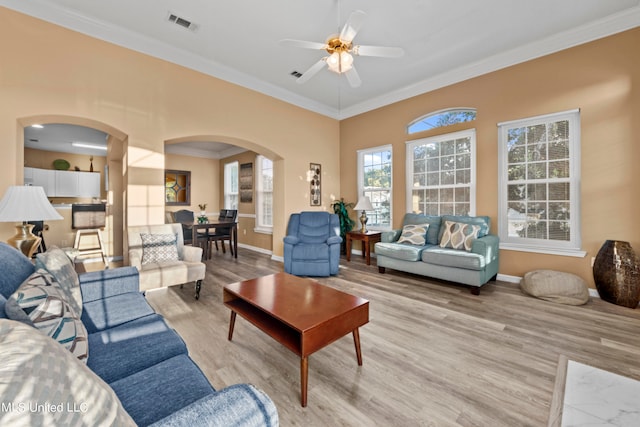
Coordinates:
<point>374,181</point>
<point>264,195</point>
<point>231,185</point>
<point>539,176</point>
<point>441,174</point>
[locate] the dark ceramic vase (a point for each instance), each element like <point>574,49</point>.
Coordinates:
<point>616,274</point>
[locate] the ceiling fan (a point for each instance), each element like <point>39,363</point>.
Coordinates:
<point>341,50</point>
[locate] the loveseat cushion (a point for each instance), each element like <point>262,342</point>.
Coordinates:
<point>126,349</point>
<point>36,371</point>
<point>458,235</point>
<point>484,222</point>
<point>154,393</point>
<point>400,251</point>
<point>453,258</point>
<point>414,234</point>
<point>41,303</point>
<point>433,221</point>
<point>113,311</point>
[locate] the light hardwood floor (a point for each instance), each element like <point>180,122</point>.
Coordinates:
<point>434,355</point>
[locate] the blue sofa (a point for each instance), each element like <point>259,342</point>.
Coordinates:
<point>132,350</point>
<point>312,244</point>
<point>474,267</point>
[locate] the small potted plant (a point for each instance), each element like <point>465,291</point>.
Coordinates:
<point>203,214</point>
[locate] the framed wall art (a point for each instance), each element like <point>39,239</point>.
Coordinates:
<point>314,190</point>
<point>246,183</point>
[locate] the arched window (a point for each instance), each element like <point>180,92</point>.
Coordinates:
<point>441,118</point>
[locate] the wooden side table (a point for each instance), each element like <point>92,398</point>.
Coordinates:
<point>369,238</point>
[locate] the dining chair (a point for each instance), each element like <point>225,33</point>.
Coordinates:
<point>182,216</point>
<point>222,234</point>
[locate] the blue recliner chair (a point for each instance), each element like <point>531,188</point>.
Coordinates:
<point>312,244</point>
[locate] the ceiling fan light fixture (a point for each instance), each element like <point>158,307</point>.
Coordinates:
<point>340,62</point>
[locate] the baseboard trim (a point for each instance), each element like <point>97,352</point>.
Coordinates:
<point>509,279</point>
<point>255,249</point>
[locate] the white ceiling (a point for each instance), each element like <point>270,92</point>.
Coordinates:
<point>444,41</point>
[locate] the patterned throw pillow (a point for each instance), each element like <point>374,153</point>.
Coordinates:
<point>414,234</point>
<point>58,264</point>
<point>46,305</point>
<point>159,247</point>
<point>458,235</point>
<point>37,373</point>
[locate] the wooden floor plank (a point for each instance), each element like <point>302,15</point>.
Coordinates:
<point>434,355</point>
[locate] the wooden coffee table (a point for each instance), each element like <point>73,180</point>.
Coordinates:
<point>299,313</point>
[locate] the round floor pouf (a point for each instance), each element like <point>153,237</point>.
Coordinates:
<point>555,286</point>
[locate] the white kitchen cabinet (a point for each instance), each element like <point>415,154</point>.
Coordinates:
<point>40,178</point>
<point>88,184</point>
<point>67,184</point>
<point>64,183</point>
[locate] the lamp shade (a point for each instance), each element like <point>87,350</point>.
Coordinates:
<point>364,204</point>
<point>26,203</point>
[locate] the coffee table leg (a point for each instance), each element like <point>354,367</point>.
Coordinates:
<point>304,377</point>
<point>232,323</point>
<point>356,341</point>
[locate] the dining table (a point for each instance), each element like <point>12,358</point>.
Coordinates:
<point>204,227</point>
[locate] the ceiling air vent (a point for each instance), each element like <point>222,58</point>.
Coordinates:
<point>296,74</point>
<point>185,23</point>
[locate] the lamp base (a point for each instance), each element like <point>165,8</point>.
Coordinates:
<point>24,240</point>
<point>363,221</point>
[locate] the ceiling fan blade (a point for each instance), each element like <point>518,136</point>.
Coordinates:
<point>312,71</point>
<point>353,77</point>
<point>302,43</point>
<point>386,52</point>
<point>353,25</point>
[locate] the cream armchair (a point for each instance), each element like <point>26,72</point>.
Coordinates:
<point>158,273</point>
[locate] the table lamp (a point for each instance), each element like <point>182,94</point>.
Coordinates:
<point>364,205</point>
<point>22,204</point>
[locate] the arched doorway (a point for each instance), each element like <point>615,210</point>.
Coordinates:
<point>111,180</point>
<point>205,157</point>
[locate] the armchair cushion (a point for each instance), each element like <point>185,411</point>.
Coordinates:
<point>159,247</point>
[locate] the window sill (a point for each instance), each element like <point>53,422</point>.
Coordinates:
<point>263,230</point>
<point>576,253</point>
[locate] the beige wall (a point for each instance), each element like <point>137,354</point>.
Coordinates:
<point>601,78</point>
<point>49,71</point>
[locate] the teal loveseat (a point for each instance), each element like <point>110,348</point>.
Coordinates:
<point>463,253</point>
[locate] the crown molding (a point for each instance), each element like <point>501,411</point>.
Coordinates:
<point>197,152</point>
<point>604,27</point>
<point>130,40</point>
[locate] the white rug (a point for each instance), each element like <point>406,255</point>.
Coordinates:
<point>594,397</point>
